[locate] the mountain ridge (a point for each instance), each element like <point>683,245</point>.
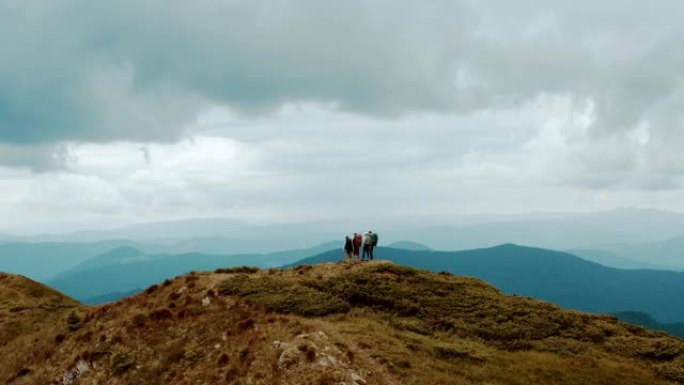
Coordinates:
<point>551,275</point>
<point>371,323</point>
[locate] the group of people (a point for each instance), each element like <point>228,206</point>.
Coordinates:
<point>363,244</point>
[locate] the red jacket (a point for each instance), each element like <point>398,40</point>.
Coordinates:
<point>358,240</point>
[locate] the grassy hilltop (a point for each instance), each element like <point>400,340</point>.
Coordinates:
<point>371,323</point>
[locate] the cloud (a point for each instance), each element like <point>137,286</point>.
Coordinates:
<point>431,100</point>
<point>131,69</point>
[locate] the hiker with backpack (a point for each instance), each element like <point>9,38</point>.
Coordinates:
<point>366,246</point>
<point>357,242</point>
<point>373,243</point>
<point>348,248</point>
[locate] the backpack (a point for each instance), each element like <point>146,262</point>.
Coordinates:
<point>374,239</point>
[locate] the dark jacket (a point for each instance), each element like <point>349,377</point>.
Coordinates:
<point>348,246</point>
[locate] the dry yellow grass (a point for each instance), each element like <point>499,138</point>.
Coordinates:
<point>27,306</point>
<point>374,322</point>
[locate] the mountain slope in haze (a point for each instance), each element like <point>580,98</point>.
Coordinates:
<point>373,323</point>
<point>409,245</point>
<point>124,270</point>
<point>552,276</point>
<point>645,320</point>
<point>668,253</point>
<point>211,235</point>
<point>120,255</point>
<point>125,277</point>
<point>607,258</point>
<point>154,231</point>
<point>41,261</point>
<point>555,231</point>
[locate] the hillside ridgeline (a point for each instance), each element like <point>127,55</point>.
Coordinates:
<point>370,323</point>
<point>553,276</point>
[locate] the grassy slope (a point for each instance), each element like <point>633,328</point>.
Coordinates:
<point>27,307</point>
<point>553,276</point>
<point>335,322</point>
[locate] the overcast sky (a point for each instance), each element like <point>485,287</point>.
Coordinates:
<point>138,110</point>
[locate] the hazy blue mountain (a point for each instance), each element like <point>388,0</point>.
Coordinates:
<point>609,259</point>
<point>553,276</point>
<point>554,231</point>
<point>645,320</point>
<point>40,261</point>
<point>667,252</point>
<point>223,246</point>
<point>213,235</point>
<point>109,297</point>
<point>145,232</point>
<point>409,245</point>
<point>127,269</point>
<point>276,258</point>
<point>119,255</point>
<point>45,260</point>
<point>124,277</point>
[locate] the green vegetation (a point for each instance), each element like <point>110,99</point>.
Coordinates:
<point>122,360</point>
<point>74,322</point>
<point>284,296</point>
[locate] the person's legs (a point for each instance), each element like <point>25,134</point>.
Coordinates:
<point>370,251</point>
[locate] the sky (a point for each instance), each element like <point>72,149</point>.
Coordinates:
<point>282,111</point>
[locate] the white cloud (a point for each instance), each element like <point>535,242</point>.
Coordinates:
<point>304,109</point>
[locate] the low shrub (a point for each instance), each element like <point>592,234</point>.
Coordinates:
<point>238,270</point>
<point>74,322</point>
<point>122,360</point>
<point>160,315</point>
<point>223,360</point>
<point>245,325</point>
<point>447,351</point>
<point>138,320</point>
<point>193,353</point>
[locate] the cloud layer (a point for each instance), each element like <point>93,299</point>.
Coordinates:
<point>577,97</point>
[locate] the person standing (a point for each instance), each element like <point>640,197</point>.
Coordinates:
<point>357,241</point>
<point>373,243</point>
<point>366,246</point>
<point>348,248</point>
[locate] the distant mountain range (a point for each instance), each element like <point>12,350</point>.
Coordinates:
<point>667,253</point>
<point>41,261</point>
<point>408,245</point>
<point>119,272</point>
<point>554,276</point>
<point>608,258</point>
<point>46,260</point>
<point>560,231</point>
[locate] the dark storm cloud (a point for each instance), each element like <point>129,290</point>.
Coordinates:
<point>75,70</point>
